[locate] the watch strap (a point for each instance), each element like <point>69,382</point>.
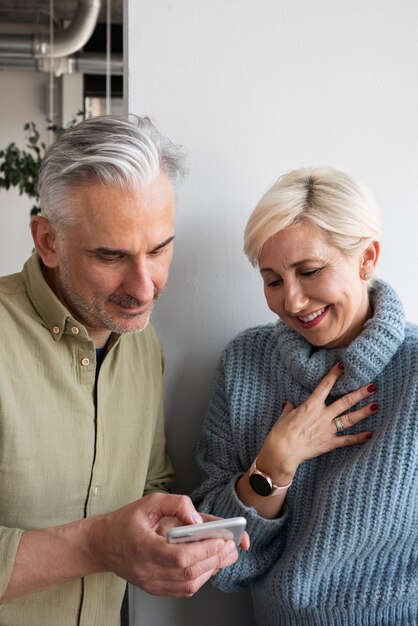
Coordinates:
<point>275,489</point>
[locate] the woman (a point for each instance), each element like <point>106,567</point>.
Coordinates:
<point>329,489</point>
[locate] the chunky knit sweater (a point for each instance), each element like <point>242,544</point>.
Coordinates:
<point>344,551</point>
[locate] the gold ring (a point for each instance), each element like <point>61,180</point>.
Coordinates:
<point>339,424</point>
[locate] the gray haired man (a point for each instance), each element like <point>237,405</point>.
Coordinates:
<point>81,420</point>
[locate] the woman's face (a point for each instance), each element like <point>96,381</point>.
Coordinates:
<point>315,288</point>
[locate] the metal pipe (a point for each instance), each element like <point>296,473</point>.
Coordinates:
<point>85,63</point>
<point>16,46</point>
<point>74,37</point>
<point>66,42</point>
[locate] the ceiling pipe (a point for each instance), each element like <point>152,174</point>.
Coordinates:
<point>66,42</point>
<point>83,62</point>
<point>74,37</point>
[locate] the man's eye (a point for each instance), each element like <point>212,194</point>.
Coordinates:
<point>158,251</point>
<point>110,259</point>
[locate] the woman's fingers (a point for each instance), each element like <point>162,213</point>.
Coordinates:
<point>323,389</point>
<point>346,402</point>
<point>287,407</point>
<point>311,429</point>
<point>347,420</point>
<point>351,440</point>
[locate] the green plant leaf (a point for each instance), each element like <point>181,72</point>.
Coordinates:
<point>21,167</point>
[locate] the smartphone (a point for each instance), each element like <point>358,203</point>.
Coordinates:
<point>231,528</point>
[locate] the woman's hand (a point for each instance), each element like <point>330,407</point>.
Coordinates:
<point>310,430</point>
<point>304,433</point>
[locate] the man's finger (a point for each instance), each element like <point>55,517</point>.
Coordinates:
<point>159,505</point>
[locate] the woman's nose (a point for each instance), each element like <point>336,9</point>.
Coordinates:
<point>295,299</point>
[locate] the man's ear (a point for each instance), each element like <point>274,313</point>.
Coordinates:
<point>45,240</point>
<point>369,260</point>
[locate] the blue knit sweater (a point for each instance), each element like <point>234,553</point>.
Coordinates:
<point>345,550</point>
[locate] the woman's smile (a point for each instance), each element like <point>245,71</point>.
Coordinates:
<point>314,287</point>
<point>313,319</point>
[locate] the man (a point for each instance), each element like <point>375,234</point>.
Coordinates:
<point>81,422</point>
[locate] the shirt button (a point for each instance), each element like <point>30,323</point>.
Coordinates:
<point>96,490</point>
<point>55,330</point>
<point>85,361</point>
<point>75,330</point>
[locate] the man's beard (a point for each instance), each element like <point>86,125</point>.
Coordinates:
<point>91,311</point>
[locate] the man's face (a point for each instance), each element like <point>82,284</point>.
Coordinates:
<point>114,261</point>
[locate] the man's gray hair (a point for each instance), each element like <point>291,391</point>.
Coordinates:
<point>126,152</point>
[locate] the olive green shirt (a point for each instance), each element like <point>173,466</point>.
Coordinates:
<point>65,452</point>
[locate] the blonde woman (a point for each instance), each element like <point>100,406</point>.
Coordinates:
<point>329,488</point>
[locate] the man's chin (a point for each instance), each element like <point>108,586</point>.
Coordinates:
<point>126,327</point>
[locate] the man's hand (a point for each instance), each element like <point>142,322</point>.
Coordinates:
<point>126,542</point>
<point>129,542</point>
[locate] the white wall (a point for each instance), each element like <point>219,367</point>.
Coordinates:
<point>254,89</point>
<point>24,98</point>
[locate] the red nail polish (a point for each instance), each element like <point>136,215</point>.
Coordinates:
<point>374,406</point>
<point>341,365</point>
<point>284,404</point>
<point>369,435</point>
<point>371,388</point>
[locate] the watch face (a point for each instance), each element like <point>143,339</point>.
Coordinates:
<point>260,484</point>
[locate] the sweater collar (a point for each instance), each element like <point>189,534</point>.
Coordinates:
<point>366,356</point>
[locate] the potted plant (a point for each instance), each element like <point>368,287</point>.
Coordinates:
<point>20,167</point>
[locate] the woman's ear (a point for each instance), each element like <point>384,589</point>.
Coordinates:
<point>369,260</point>
<point>45,240</point>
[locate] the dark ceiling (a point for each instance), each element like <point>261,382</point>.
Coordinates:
<point>35,11</point>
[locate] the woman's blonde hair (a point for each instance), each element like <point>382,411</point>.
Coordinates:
<point>332,200</point>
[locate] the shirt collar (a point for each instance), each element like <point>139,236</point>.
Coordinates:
<point>56,316</point>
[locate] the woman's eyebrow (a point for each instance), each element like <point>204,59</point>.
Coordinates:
<point>295,264</point>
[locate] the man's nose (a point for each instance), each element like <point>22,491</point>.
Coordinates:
<point>139,283</point>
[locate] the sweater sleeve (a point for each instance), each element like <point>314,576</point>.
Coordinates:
<point>223,455</point>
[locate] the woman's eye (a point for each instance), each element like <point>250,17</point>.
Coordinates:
<point>311,273</point>
<point>274,283</point>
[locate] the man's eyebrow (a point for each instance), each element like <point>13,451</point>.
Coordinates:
<point>163,244</point>
<point>107,251</point>
<point>103,250</point>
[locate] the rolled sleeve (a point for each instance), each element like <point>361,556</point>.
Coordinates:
<point>9,543</point>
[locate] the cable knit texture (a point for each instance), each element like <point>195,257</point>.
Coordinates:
<point>345,550</point>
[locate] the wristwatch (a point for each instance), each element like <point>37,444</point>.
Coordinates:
<point>262,484</point>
